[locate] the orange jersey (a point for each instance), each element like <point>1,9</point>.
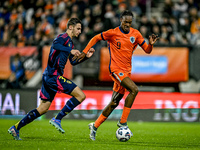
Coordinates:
<point>121,47</point>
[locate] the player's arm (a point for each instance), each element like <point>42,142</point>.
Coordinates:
<point>88,55</point>
<point>91,43</point>
<point>58,44</point>
<point>148,48</point>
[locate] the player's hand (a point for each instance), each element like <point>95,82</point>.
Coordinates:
<point>90,53</point>
<point>153,38</point>
<point>79,57</point>
<point>75,52</point>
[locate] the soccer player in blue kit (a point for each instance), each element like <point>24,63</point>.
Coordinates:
<point>53,82</point>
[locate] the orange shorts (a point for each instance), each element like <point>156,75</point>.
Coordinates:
<point>117,77</point>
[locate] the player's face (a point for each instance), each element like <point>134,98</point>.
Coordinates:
<point>76,30</point>
<point>126,22</point>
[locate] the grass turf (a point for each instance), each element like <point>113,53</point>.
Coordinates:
<point>42,136</point>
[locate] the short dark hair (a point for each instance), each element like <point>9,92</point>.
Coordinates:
<point>73,22</point>
<point>127,13</point>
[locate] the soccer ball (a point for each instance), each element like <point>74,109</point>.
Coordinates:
<point>123,134</point>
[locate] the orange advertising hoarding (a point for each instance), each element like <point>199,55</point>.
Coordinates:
<point>5,55</point>
<point>162,65</point>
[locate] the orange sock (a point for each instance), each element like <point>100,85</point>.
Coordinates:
<point>125,114</point>
<point>99,121</point>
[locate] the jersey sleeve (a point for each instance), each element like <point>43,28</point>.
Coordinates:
<point>102,36</point>
<point>146,47</point>
<point>140,39</point>
<point>58,44</point>
<point>75,62</point>
<point>106,36</point>
<point>92,42</point>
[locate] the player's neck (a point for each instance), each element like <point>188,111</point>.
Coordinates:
<point>69,32</point>
<point>123,30</point>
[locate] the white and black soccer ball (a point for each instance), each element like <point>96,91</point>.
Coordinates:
<point>123,134</point>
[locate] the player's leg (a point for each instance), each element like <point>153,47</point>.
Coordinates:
<point>77,97</point>
<point>133,90</point>
<point>116,97</point>
<point>34,114</point>
<point>118,93</point>
<point>30,116</point>
<point>47,95</point>
<point>43,107</point>
<point>70,88</point>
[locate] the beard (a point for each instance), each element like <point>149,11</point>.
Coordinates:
<point>74,33</point>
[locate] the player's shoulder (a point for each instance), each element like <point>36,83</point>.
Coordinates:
<point>115,30</point>
<point>135,31</point>
<point>110,32</point>
<point>63,35</point>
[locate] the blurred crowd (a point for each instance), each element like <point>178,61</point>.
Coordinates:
<point>37,22</point>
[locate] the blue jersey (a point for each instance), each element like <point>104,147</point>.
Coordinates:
<point>52,81</point>
<point>59,54</point>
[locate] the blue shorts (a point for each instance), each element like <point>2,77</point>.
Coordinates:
<point>55,84</point>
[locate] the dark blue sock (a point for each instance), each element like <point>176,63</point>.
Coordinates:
<point>69,106</point>
<point>32,115</point>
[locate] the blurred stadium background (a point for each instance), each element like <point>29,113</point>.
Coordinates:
<point>168,79</point>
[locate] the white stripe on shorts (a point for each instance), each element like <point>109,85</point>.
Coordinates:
<point>117,77</point>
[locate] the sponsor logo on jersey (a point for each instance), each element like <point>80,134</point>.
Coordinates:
<point>69,82</point>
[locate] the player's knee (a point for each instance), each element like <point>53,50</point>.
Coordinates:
<point>42,110</point>
<point>81,97</point>
<point>134,91</point>
<point>45,111</point>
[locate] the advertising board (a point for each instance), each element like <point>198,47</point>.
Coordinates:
<point>163,65</point>
<point>148,106</point>
<point>28,55</point>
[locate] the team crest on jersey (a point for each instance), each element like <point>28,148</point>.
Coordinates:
<point>121,74</point>
<point>132,39</point>
<point>69,45</point>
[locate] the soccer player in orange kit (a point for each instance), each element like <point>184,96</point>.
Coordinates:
<point>122,41</point>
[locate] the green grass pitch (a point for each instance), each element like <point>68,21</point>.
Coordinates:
<point>40,135</point>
